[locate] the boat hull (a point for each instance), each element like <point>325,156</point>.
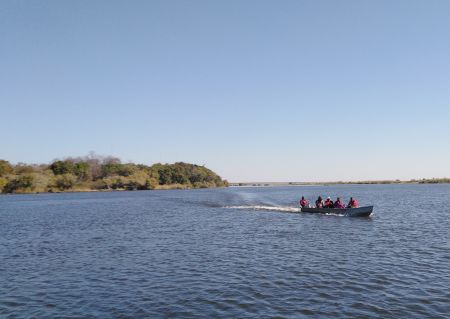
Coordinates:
<point>351,212</point>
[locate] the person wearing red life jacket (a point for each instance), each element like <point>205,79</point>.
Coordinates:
<point>319,202</point>
<point>304,202</point>
<point>338,204</point>
<point>353,203</point>
<point>328,203</point>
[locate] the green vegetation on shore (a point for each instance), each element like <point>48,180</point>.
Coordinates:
<point>97,173</point>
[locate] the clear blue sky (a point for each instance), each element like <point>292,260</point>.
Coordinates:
<point>255,90</point>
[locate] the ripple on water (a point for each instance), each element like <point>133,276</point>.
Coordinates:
<point>183,255</point>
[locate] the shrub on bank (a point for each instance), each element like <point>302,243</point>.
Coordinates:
<point>103,173</point>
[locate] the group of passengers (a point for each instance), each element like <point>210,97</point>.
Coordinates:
<point>328,203</point>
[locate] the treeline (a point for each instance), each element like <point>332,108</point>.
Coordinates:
<point>103,173</point>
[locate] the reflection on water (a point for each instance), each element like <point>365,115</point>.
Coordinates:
<point>226,253</point>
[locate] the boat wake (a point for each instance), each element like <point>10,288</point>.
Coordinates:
<point>259,202</point>
<point>285,209</point>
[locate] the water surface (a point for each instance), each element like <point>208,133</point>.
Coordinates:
<point>224,253</point>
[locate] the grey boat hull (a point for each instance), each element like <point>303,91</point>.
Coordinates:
<point>350,212</point>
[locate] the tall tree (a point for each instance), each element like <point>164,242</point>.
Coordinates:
<point>5,168</point>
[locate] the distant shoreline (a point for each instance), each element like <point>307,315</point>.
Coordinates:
<point>381,182</point>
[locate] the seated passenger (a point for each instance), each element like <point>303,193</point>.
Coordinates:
<point>338,204</point>
<point>328,203</point>
<point>304,202</point>
<point>319,202</point>
<point>353,203</point>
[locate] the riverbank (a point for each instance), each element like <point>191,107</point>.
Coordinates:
<point>120,190</point>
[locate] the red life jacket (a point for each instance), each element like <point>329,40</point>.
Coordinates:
<point>353,203</point>
<point>338,204</point>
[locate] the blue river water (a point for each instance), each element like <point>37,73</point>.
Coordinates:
<point>226,253</point>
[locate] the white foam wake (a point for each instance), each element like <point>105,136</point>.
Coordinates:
<point>285,209</point>
<point>269,208</point>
